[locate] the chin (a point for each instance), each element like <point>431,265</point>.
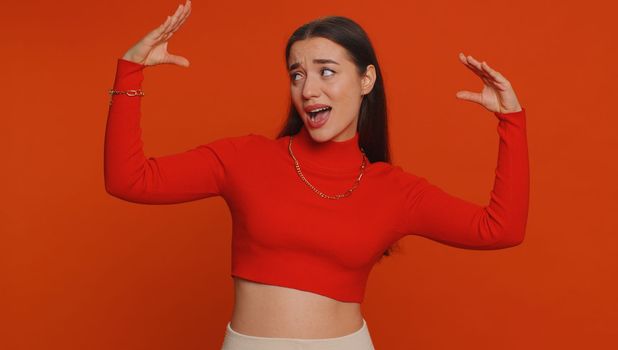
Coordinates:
<point>323,134</point>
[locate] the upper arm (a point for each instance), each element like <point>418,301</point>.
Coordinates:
<point>196,173</point>
<point>431,212</point>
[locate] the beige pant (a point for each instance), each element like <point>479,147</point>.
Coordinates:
<point>358,340</point>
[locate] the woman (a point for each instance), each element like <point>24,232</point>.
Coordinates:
<point>314,209</point>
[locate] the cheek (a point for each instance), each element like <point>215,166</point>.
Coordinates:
<point>295,95</point>
<point>297,101</point>
<point>296,92</point>
<point>348,95</point>
<point>347,88</point>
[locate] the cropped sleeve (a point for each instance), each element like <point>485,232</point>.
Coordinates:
<point>194,174</point>
<point>430,212</point>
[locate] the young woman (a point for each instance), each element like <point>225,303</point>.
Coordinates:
<point>315,208</point>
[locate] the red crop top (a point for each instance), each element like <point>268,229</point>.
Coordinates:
<point>285,234</point>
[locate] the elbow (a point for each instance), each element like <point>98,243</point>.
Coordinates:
<point>113,182</point>
<point>510,239</point>
<point>113,191</point>
<point>129,193</point>
<point>117,190</point>
<point>520,237</point>
<point>513,242</point>
<point>111,186</point>
<point>124,195</point>
<point>118,185</point>
<point>505,234</point>
<point>516,235</point>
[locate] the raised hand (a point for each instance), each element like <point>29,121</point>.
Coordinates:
<point>152,49</point>
<point>497,94</point>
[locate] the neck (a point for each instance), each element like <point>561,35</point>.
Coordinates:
<point>330,154</point>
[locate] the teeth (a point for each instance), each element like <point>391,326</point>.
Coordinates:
<point>320,109</point>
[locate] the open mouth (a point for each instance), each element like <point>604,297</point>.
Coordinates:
<point>319,112</point>
<point>319,117</point>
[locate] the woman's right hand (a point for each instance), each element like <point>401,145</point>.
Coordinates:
<point>152,49</point>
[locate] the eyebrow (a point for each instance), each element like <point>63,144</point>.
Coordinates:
<point>317,60</point>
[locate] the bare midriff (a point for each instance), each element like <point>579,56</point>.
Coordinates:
<point>263,310</point>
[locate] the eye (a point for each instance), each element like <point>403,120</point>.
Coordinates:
<point>328,69</point>
<point>293,75</point>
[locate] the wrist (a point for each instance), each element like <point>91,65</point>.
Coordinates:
<point>129,75</point>
<point>128,56</point>
<point>513,110</point>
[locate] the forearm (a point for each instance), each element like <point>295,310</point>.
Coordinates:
<point>433,213</point>
<point>123,151</point>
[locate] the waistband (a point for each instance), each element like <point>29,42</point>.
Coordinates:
<point>358,340</point>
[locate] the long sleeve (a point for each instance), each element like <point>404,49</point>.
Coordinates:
<point>431,212</point>
<point>194,174</point>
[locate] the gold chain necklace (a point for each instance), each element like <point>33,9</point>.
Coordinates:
<point>321,194</point>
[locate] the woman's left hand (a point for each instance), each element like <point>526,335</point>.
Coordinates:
<point>497,95</point>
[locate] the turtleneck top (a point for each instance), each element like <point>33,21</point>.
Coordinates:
<point>285,234</point>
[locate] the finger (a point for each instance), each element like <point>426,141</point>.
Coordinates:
<point>471,63</point>
<point>179,10</point>
<point>185,14</point>
<point>173,19</point>
<point>165,28</point>
<point>188,10</point>
<point>494,79</point>
<point>179,60</point>
<point>495,74</point>
<point>183,17</point>
<point>169,29</point>
<point>176,28</point>
<point>182,21</point>
<point>169,23</point>
<point>470,66</point>
<point>188,5</point>
<point>157,32</point>
<point>166,36</point>
<point>176,16</point>
<point>469,96</point>
<point>165,23</point>
<point>483,75</point>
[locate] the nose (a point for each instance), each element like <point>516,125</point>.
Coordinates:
<point>311,88</point>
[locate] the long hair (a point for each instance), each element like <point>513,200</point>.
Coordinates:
<point>372,119</point>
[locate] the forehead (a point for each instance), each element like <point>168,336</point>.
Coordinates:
<point>303,51</point>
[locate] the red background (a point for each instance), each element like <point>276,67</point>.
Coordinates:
<point>80,269</point>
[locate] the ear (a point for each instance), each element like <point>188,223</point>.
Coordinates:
<point>368,79</point>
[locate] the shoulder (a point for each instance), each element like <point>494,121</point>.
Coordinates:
<point>237,142</point>
<point>240,145</point>
<point>397,176</point>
